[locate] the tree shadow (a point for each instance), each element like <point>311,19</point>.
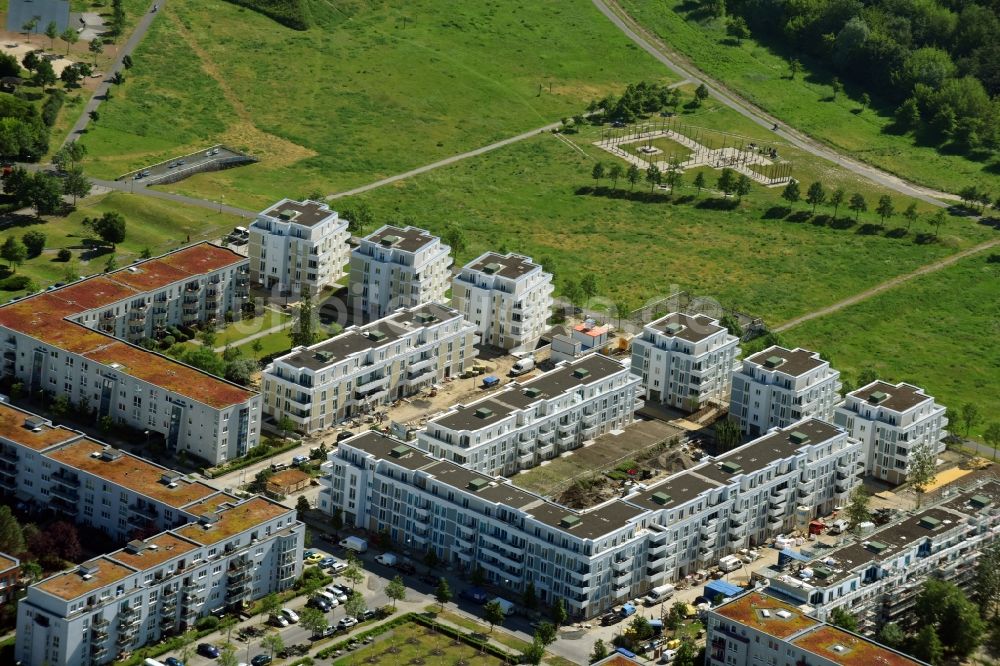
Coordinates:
<point>821,220</point>
<point>799,216</point>
<point>684,199</point>
<point>993,222</point>
<point>867,229</point>
<point>717,203</point>
<point>777,213</point>
<point>898,232</point>
<point>13,220</point>
<point>842,223</point>
<point>925,238</point>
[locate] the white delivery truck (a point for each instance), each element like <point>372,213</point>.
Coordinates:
<point>730,563</point>
<point>357,544</point>
<point>507,606</point>
<point>659,594</point>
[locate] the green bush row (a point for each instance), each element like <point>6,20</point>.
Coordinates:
<point>246,461</point>
<point>377,630</point>
<point>468,639</point>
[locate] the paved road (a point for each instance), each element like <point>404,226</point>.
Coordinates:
<point>646,41</point>
<point>192,163</point>
<point>888,284</point>
<point>95,101</point>
<point>138,188</point>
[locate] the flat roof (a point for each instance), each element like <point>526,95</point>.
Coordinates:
<point>306,213</point>
<point>691,328</point>
<point>794,362</point>
<point>593,523</point>
<point>384,447</point>
<point>474,416</point>
<point>234,520</point>
<point>508,265</point>
<point>496,490</point>
<point>183,264</point>
<point>95,292</point>
<point>746,609</point>
<point>13,429</point>
<point>678,489</point>
<point>171,375</point>
<point>593,331</point>
<point>899,397</point>
<point>154,551</point>
<point>565,377</point>
<point>132,472</point>
<point>70,585</point>
<point>7,562</point>
<point>842,647</point>
<point>407,239</point>
<point>764,450</point>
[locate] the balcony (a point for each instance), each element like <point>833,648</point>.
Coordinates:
<point>589,420</point>
<point>622,565</point>
<point>775,522</point>
<point>623,579</point>
<point>57,503</point>
<point>843,471</point>
<point>547,451</point>
<point>775,511</point>
<point>63,492</point>
<point>372,383</point>
<point>738,517</point>
<point>144,510</point>
<point>567,430</point>
<point>9,455</point>
<point>709,531</point>
<point>66,480</point>
<point>415,377</point>
<point>98,635</point>
<point>421,515</point>
<point>526,460</point>
<point>842,486</point>
<point>657,551</point>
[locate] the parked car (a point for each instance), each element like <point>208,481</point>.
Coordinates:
<point>290,615</point>
<point>328,631</point>
<point>208,650</point>
<point>261,660</point>
<point>406,567</point>
<point>313,558</point>
<point>346,434</point>
<point>337,566</point>
<point>298,460</point>
<point>338,593</point>
<point>279,621</point>
<point>327,562</point>
<point>319,603</point>
<point>346,623</point>
<point>474,594</point>
<point>173,661</point>
<point>369,614</point>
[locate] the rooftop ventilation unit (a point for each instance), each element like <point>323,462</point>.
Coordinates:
<point>288,214</point>
<point>878,397</point>
<point>798,437</point>
<point>399,451</point>
<point>927,522</point>
<point>376,335</point>
<point>783,614</point>
<point>135,546</point>
<point>87,569</point>
<point>425,318</point>
<point>484,413</point>
<point>876,547</point>
<point>730,467</point>
<point>532,392</point>
<point>389,241</point>
<point>660,498</point>
<point>324,356</point>
<point>477,484</point>
<point>492,268</point>
<point>35,424</point>
<point>581,373</point>
<point>208,518</point>
<point>773,361</point>
<point>170,477</point>
<point>110,454</point>
<point>569,521</point>
<point>673,329</point>
<point>980,501</point>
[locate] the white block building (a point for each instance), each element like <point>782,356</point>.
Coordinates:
<point>235,552</point>
<point>892,421</point>
<point>524,424</point>
<point>63,341</point>
<point>296,244</point>
<point>508,298</point>
<point>396,268</point>
<point>367,366</point>
<point>685,360</point>
<point>779,386</point>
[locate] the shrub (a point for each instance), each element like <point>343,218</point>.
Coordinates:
<point>64,255</point>
<point>51,106</point>
<point>15,283</point>
<point>207,623</point>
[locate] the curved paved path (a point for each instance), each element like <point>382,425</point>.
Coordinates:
<point>656,48</point>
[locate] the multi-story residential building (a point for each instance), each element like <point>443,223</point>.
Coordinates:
<point>755,628</point>
<point>780,386</point>
<point>892,422</point>
<point>523,424</point>
<point>234,552</point>
<point>396,268</point>
<point>508,298</point>
<point>297,244</point>
<point>685,360</point>
<point>366,366</point>
<point>596,558</point>
<point>877,577</point>
<point>68,342</point>
<point>10,574</point>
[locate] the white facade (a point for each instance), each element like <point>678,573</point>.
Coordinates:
<point>596,558</point>
<point>779,386</point>
<point>685,361</point>
<point>237,551</point>
<point>892,421</point>
<point>523,424</point>
<point>62,342</point>
<point>508,298</point>
<point>367,366</point>
<point>396,268</point>
<point>296,244</point>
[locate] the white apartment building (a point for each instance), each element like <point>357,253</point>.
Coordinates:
<point>755,628</point>
<point>523,424</point>
<point>63,342</point>
<point>297,244</point>
<point>367,366</point>
<point>508,298</point>
<point>779,386</point>
<point>892,421</point>
<point>235,552</point>
<point>877,577</point>
<point>597,558</point>
<point>396,268</point>
<point>685,360</point>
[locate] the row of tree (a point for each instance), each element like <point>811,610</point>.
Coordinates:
<point>639,100</point>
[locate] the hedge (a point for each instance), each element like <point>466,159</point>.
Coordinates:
<point>240,463</point>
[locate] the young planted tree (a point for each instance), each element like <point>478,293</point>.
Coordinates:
<point>353,573</point>
<point>52,31</point>
<point>534,653</point>
<point>599,652</point>
<point>737,28</point>
<point>857,510</point>
<point>857,204</point>
<point>921,471</point>
<point>442,594</point>
<point>493,613</point>
<point>743,186</point>
<point>356,605</point>
<point>970,416</point>
<point>794,67</point>
<point>304,333</point>
<point>272,642</point>
<point>653,177</point>
<point>71,37</point>
<point>700,94</point>
<point>633,175</point>
<point>837,86</point>
<point>597,173</point>
<point>727,434</point>
<point>836,199</point>
<point>96,49</point>
<point>314,620</point>
<point>841,618</point>
<point>558,612</point>
<point>396,590</point>
<point>911,215</point>
<point>13,252</point>
<point>991,435</point>
<point>546,633</point>
<point>727,181</point>
<point>815,195</point>
<point>455,238</point>
<point>885,208</point>
<point>791,193</point>
<point>76,185</point>
<point>866,101</point>
<point>34,242</point>
<point>615,173</point>
<point>699,181</point>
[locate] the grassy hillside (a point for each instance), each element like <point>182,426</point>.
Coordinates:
<point>291,13</point>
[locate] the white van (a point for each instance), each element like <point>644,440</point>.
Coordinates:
<point>387,559</point>
<point>357,544</point>
<point>507,606</point>
<point>329,596</point>
<point>522,366</point>
<point>659,594</point>
<point>730,563</point>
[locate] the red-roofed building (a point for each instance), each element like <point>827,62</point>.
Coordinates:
<point>81,341</point>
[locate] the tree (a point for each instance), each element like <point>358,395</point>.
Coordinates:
<point>70,36</point>
<point>857,510</point>
<point>493,613</point>
<point>836,199</point>
<point>885,208</point>
<point>927,647</point>
<point>270,605</point>
<point>815,195</point>
<point>866,100</point>
<point>396,590</point>
<point>727,181</point>
<point>44,74</point>
<point>546,633</point>
<point>922,470</point>
<point>841,618</point>
<point>633,175</point>
<point>454,237</point>
<point>59,542</point>
<point>52,31</point>
<point>353,573</point>
<point>992,436</point>
<point>29,27</point>
<point>892,636</point>
<point>736,27</point>
<point>95,48</point>
<point>986,584</point>
<point>675,177</point>
<point>791,193</point>
<point>686,653</point>
<point>588,285</point>
<point>727,434</point>
<point>837,86</point>
<point>558,613</point>
<point>94,116</point>
<point>599,652</point>
<point>302,505</point>
<point>76,184</point>
<point>699,181</point>
<point>443,592</point>
<point>64,255</point>
<point>970,416</point>
<point>304,333</point>
<point>227,656</point>
<point>597,173</point>
<point>623,309</point>
<point>356,605</point>
<point>13,252</point>
<point>314,620</point>
<point>955,620</point>
<point>615,173</point>
<point>911,215</point>
<point>794,67</point>
<point>653,176</point>
<point>743,186</point>
<point>857,204</point>
<point>533,653</point>
<point>700,94</point>
<point>11,534</point>
<point>272,642</point>
<point>240,370</point>
<point>109,227</point>
<point>34,242</point>
<point>70,76</point>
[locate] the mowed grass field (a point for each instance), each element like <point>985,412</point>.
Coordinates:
<point>937,331</point>
<point>372,90</point>
<point>760,75</point>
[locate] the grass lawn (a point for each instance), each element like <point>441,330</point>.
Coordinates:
<point>527,198</point>
<point>760,75</point>
<point>936,331</point>
<point>498,634</point>
<point>669,149</point>
<point>158,225</point>
<point>238,330</point>
<point>390,86</point>
<point>409,642</point>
